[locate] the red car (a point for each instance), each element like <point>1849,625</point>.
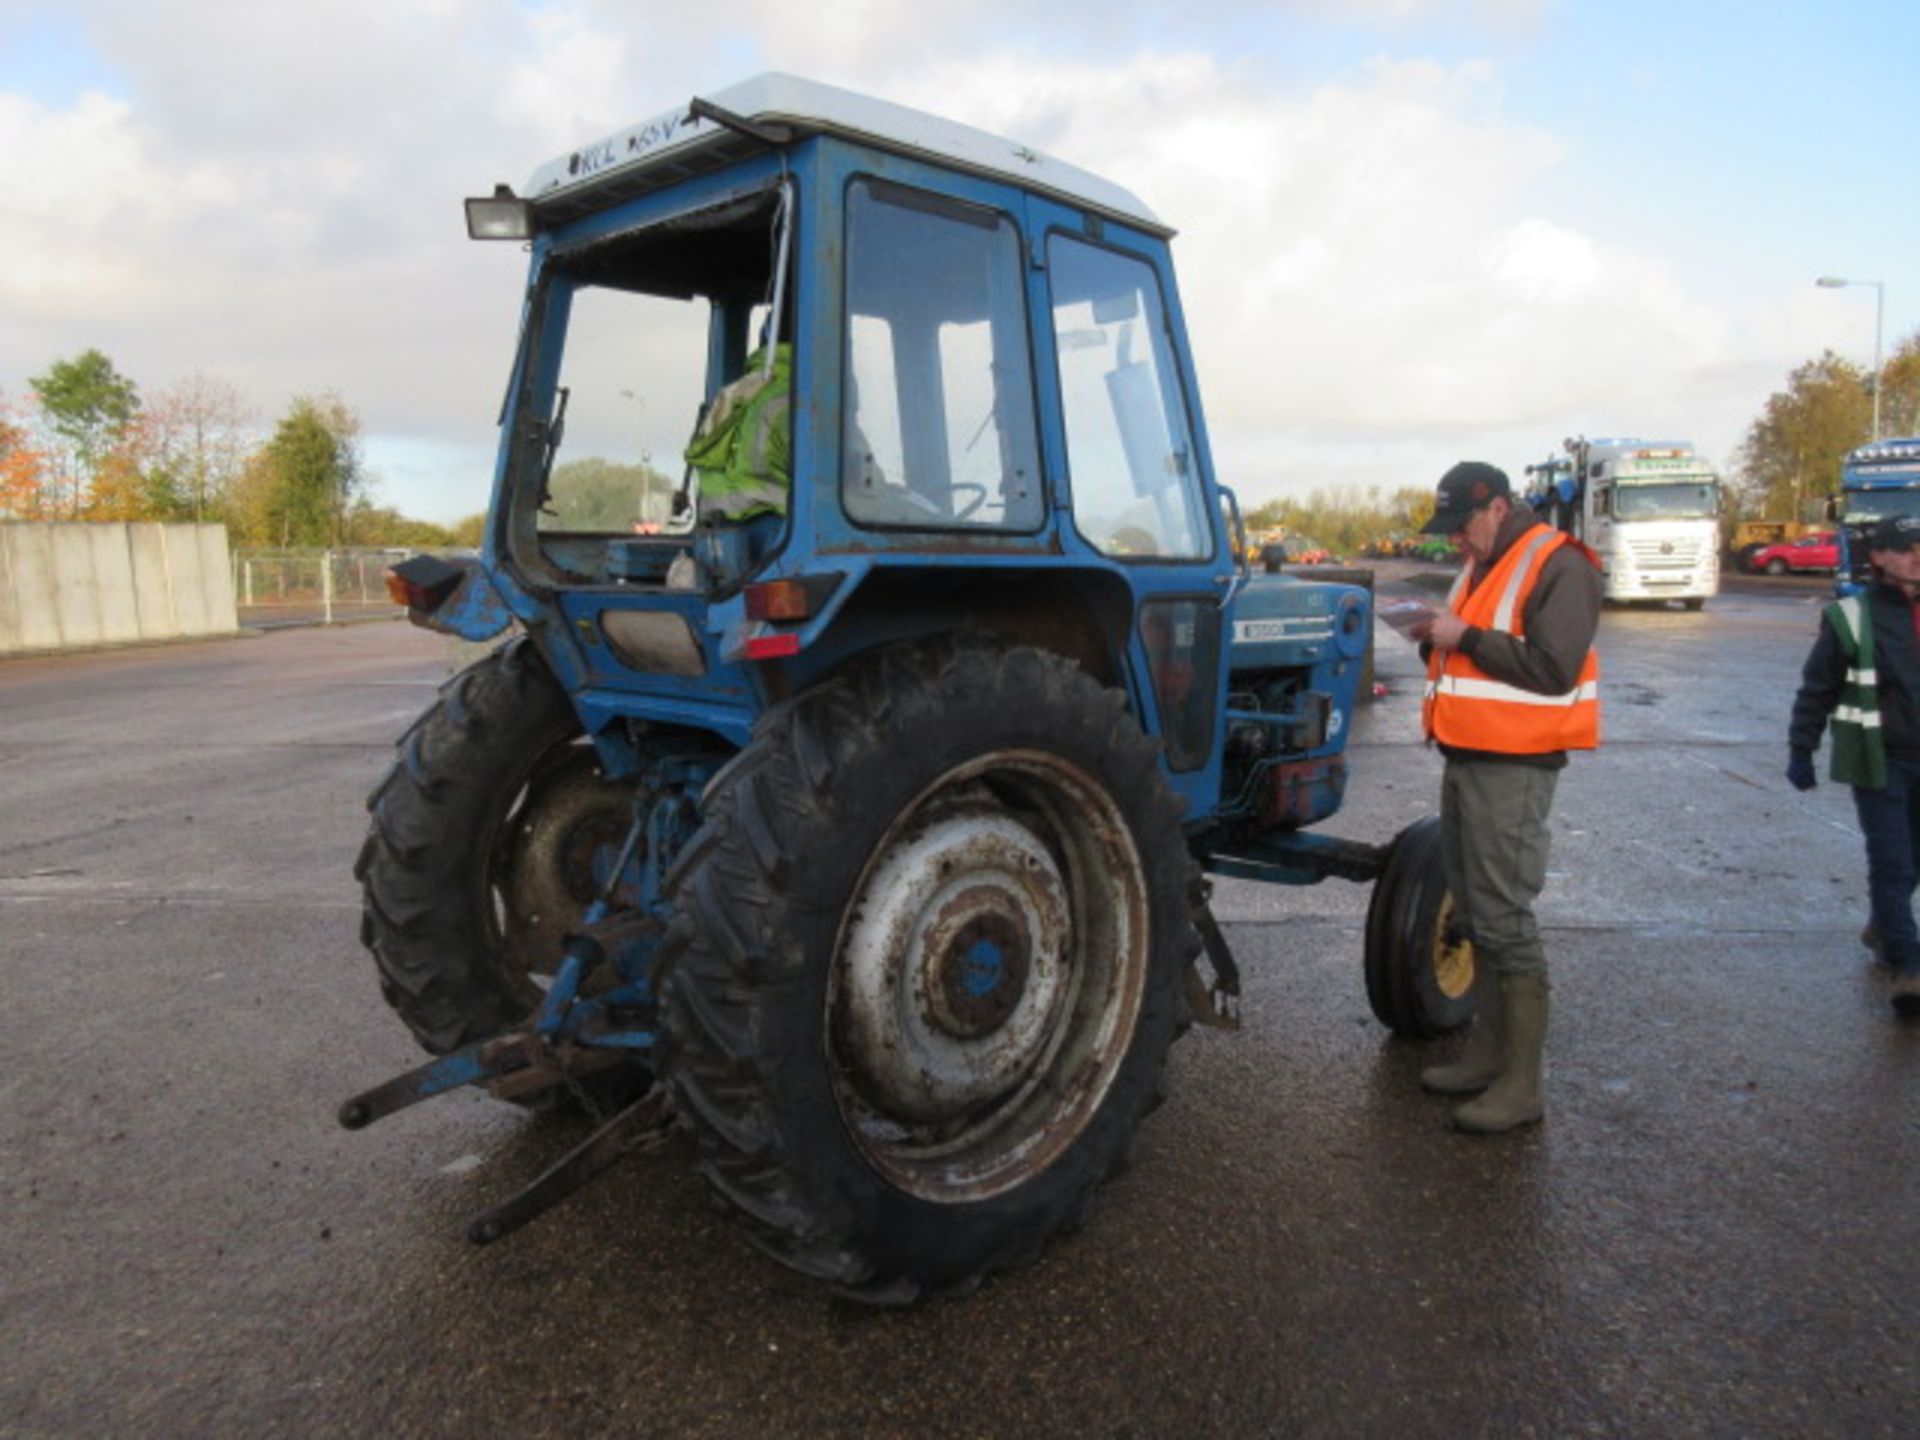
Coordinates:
<point>1816,552</point>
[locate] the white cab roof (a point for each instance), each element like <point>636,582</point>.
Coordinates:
<point>670,141</point>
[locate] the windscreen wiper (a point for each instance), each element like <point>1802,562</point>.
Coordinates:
<point>548,434</point>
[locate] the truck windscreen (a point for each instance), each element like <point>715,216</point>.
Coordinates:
<point>1864,506</point>
<point>1689,501</point>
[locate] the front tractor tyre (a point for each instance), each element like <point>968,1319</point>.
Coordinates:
<point>924,966</point>
<point>480,857</point>
<point>1421,973</point>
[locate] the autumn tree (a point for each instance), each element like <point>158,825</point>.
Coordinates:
<point>1346,521</point>
<point>386,528</point>
<point>301,487</point>
<point>198,436</point>
<point>1408,508</point>
<point>119,488</point>
<point>1900,392</point>
<point>1791,455</point>
<point>138,478</point>
<point>24,473</point>
<point>88,404</point>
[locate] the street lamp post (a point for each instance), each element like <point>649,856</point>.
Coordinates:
<point>646,462</point>
<point>1836,282</point>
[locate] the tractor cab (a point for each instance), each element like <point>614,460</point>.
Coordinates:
<point>985,417</point>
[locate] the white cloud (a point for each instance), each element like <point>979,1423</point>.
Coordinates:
<point>1546,263</point>
<point>271,196</point>
<point>83,188</point>
<point>1370,291</point>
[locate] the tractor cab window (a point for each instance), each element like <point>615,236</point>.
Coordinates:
<point>1130,455</point>
<point>628,327</point>
<point>632,374</point>
<point>939,430</point>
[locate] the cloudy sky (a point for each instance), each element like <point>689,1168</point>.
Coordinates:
<point>1410,230</point>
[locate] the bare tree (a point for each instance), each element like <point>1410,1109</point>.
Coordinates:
<point>202,432</point>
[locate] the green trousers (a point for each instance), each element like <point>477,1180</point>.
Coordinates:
<point>1493,829</point>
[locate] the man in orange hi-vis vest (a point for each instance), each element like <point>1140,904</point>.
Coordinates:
<point>1512,686</point>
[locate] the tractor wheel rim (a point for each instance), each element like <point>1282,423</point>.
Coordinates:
<point>989,976</point>
<point>954,967</point>
<point>545,855</point>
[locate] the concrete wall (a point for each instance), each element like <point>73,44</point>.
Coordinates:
<point>69,587</point>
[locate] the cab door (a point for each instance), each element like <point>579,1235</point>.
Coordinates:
<point>1130,469</point>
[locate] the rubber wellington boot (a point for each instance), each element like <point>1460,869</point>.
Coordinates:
<point>1905,993</point>
<point>1480,1058</point>
<point>1513,1099</point>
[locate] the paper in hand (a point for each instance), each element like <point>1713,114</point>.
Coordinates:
<point>1403,615</point>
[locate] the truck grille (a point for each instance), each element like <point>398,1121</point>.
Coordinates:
<point>1664,554</point>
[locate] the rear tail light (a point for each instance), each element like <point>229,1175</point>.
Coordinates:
<point>778,600</point>
<point>423,583</point>
<point>772,647</point>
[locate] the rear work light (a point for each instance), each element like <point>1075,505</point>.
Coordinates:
<point>499,216</point>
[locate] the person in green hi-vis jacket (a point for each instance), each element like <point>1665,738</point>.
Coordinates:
<point>1862,681</point>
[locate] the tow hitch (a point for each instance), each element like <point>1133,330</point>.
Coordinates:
<point>569,1037</point>
<point>644,1125</point>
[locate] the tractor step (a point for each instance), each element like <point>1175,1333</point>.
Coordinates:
<point>643,1126</point>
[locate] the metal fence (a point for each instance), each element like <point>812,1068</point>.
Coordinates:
<point>313,587</point>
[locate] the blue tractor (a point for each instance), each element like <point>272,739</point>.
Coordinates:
<point>851,795</point>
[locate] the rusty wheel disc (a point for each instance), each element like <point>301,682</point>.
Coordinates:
<point>568,816</point>
<point>989,976</point>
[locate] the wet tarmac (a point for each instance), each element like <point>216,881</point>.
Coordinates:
<point>1717,1231</point>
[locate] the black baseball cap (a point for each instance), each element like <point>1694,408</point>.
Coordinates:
<point>1896,532</point>
<point>1469,486</point>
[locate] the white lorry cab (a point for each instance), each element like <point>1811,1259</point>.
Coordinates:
<point>1650,509</point>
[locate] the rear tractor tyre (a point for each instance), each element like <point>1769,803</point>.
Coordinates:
<point>480,857</point>
<point>924,966</point>
<point>1421,976</point>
